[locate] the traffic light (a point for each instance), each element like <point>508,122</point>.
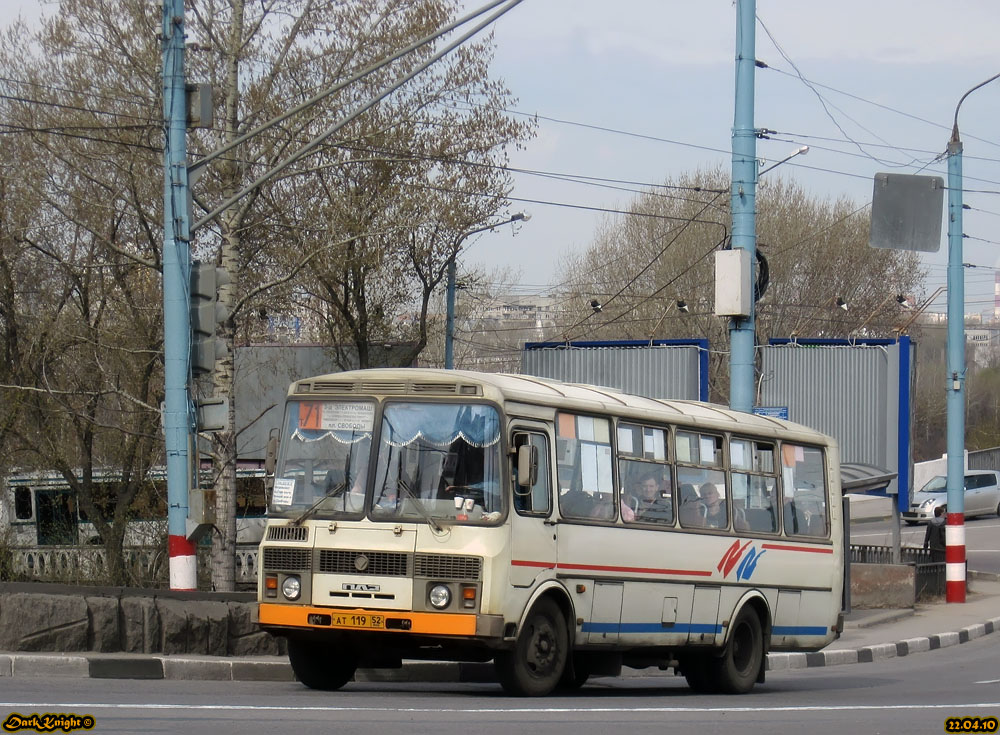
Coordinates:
<point>206,315</point>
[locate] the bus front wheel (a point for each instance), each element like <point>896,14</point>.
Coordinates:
<point>322,666</point>
<point>535,665</point>
<point>737,669</point>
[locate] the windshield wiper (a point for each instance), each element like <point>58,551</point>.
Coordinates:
<point>315,506</point>
<point>401,483</point>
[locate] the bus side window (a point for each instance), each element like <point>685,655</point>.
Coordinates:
<point>803,477</point>
<point>537,499</point>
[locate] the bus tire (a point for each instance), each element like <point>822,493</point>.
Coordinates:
<point>322,666</point>
<point>575,676</point>
<point>535,666</point>
<point>737,669</point>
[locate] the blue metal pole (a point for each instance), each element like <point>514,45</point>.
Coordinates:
<point>742,332</point>
<point>177,414</point>
<point>449,325</point>
<point>955,389</point>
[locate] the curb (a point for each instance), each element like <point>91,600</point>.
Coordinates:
<point>882,651</point>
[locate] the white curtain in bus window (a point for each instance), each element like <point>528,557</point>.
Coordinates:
<point>739,454</point>
<point>654,444</point>
<point>626,443</point>
<point>803,478</point>
<point>585,476</point>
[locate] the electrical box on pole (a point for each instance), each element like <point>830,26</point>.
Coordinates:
<point>733,287</point>
<point>200,109</point>
<point>206,316</point>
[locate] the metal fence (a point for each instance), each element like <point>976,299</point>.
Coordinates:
<point>929,575</point>
<point>145,566</point>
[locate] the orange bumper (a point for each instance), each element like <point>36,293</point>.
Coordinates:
<point>320,618</point>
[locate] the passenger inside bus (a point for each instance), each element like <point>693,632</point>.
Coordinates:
<point>650,500</point>
<point>715,506</point>
<point>692,511</point>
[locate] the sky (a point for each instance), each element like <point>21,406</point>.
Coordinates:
<point>643,90</point>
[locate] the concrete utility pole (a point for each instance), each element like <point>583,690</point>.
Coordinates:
<point>742,330</point>
<point>955,388</point>
<point>177,412</point>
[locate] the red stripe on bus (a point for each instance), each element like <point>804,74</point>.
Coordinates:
<point>603,568</point>
<point>642,570</point>
<point>810,549</point>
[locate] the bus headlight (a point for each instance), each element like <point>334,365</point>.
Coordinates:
<point>291,587</point>
<point>439,596</point>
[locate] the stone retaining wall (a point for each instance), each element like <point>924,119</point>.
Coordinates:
<point>49,617</point>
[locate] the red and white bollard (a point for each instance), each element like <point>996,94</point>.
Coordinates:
<point>954,557</point>
<point>184,563</point>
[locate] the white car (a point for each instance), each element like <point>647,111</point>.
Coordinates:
<point>982,496</point>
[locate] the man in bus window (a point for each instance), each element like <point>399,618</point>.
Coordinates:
<point>715,506</point>
<point>651,500</point>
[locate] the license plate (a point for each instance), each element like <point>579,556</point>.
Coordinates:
<point>356,620</point>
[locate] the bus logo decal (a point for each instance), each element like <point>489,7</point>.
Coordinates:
<point>731,557</point>
<point>749,564</point>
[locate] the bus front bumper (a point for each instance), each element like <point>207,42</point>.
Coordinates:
<point>393,621</point>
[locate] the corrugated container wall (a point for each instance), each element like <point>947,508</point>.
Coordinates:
<point>852,392</point>
<point>658,371</point>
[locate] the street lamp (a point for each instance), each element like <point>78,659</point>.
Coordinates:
<point>797,152</point>
<point>955,384</point>
<point>449,326</point>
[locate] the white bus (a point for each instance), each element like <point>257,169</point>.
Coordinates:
<point>560,530</point>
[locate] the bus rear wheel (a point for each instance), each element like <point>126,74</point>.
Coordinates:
<point>535,665</point>
<point>322,666</point>
<point>736,671</point>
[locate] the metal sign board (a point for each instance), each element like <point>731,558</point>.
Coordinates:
<point>907,212</point>
<point>774,412</point>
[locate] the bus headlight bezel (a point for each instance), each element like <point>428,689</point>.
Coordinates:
<point>439,596</point>
<point>291,587</point>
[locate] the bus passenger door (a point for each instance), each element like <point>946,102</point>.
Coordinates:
<point>533,530</point>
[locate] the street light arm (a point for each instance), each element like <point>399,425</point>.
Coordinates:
<point>954,129</point>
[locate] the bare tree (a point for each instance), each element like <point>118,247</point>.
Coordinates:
<point>84,340</point>
<point>359,231</point>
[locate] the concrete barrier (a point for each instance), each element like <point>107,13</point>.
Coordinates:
<point>64,618</point>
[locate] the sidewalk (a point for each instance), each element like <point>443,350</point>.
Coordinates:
<point>869,635</point>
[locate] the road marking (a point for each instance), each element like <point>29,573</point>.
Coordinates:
<point>988,681</point>
<point>50,706</point>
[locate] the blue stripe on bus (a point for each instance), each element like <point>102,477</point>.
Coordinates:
<point>650,628</point>
<point>693,628</point>
<point>799,630</point>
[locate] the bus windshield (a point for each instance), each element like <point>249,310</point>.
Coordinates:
<point>438,461</point>
<point>325,448</point>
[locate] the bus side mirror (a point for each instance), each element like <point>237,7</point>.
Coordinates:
<point>271,456</point>
<point>527,465</point>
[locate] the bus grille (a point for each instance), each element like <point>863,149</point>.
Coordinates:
<point>288,533</point>
<point>440,566</point>
<point>380,563</point>
<point>289,560</point>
